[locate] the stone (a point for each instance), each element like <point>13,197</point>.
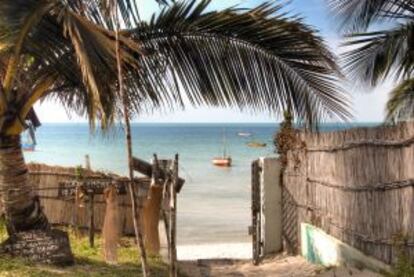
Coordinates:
<point>40,246</point>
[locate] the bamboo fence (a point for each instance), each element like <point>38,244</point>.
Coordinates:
<point>357,185</point>
<point>60,211</point>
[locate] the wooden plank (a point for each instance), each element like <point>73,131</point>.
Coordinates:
<point>146,168</point>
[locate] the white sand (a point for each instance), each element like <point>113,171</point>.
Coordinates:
<point>215,251</point>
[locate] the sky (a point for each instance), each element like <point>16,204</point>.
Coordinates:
<point>367,104</point>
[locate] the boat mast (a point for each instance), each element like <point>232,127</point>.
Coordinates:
<point>224,143</point>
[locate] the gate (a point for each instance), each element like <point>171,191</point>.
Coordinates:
<point>255,229</point>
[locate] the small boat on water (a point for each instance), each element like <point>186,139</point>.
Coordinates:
<point>244,134</point>
<point>256,144</point>
<point>222,161</point>
<point>225,160</point>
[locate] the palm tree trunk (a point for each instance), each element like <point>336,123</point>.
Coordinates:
<point>136,215</point>
<point>18,199</point>
<point>136,209</point>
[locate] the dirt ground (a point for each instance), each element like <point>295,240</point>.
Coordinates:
<point>279,266</point>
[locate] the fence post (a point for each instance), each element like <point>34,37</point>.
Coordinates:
<point>173,218</point>
<point>91,221</point>
<point>76,209</point>
<point>91,207</point>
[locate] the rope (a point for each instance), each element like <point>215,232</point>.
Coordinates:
<point>356,144</point>
<point>370,187</point>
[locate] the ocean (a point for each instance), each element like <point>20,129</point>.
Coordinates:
<point>214,204</point>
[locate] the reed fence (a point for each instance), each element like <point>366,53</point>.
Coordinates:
<point>357,185</point>
<point>60,211</point>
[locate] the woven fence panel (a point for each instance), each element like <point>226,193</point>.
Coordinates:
<point>357,185</point>
<point>59,211</point>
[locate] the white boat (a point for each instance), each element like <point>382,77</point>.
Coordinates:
<point>244,134</point>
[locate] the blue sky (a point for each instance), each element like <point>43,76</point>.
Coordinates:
<point>368,105</point>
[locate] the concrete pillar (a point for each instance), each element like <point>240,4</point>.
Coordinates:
<point>271,200</point>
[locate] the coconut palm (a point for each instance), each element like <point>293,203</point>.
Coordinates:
<point>377,55</point>
<point>260,58</point>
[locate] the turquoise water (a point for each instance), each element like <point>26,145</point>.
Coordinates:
<point>214,205</point>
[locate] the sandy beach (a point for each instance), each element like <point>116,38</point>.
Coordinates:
<point>238,251</point>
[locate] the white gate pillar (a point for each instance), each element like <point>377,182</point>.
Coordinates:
<point>271,209</point>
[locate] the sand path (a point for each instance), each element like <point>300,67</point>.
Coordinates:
<point>234,259</point>
<point>279,266</point>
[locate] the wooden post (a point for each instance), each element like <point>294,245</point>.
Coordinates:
<point>165,213</point>
<point>76,209</point>
<point>146,168</point>
<point>91,221</point>
<point>173,218</point>
<point>91,207</point>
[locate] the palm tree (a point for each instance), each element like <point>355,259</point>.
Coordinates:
<point>257,58</point>
<point>377,55</point>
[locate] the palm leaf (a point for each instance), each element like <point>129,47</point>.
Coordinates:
<point>400,105</point>
<point>256,58</point>
<point>357,15</point>
<point>259,58</point>
<point>379,55</point>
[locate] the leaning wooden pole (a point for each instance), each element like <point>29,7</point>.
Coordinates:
<point>135,207</point>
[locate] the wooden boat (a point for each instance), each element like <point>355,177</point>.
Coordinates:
<point>256,144</point>
<point>225,160</point>
<point>222,161</point>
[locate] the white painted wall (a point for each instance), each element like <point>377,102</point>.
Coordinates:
<point>321,248</point>
<point>271,200</point>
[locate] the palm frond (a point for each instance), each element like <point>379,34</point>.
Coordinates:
<point>80,51</point>
<point>379,55</point>
<point>400,105</point>
<point>357,15</point>
<point>257,58</point>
